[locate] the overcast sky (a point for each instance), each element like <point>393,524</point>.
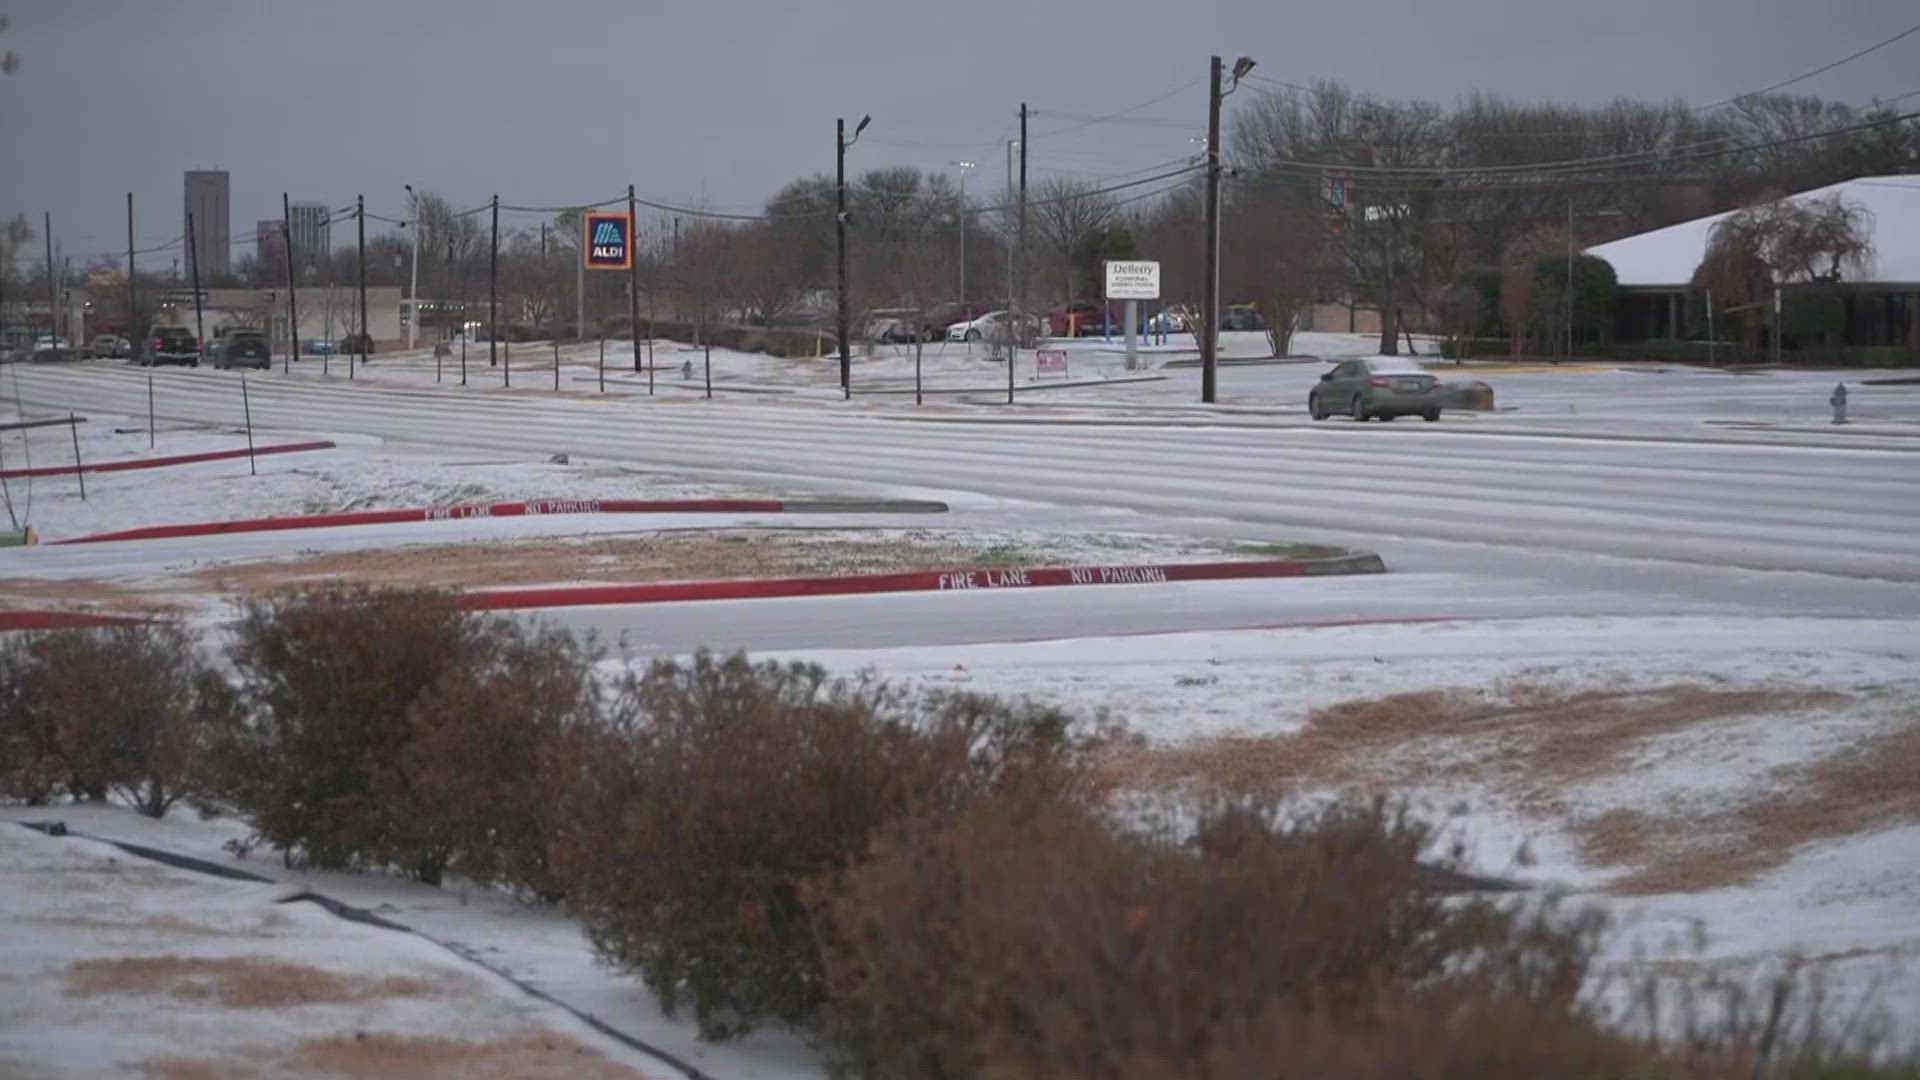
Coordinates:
<point>723,101</point>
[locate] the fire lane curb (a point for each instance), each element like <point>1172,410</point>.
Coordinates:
<point>163,462</point>
<point>913,581</point>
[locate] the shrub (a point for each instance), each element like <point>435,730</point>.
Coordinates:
<point>390,729</point>
<point>129,710</point>
<point>725,793</point>
<point>1031,938</point>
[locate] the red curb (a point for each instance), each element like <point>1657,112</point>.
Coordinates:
<point>914,581</point>
<point>442,513</point>
<point>162,462</point>
<point>63,620</point>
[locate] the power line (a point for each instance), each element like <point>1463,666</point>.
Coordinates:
<point>1875,47</point>
<point>1112,116</point>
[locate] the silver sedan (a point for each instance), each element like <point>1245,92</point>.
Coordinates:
<point>1377,387</point>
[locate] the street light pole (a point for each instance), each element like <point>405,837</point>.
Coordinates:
<point>840,144</point>
<point>963,166</point>
<point>413,286</point>
<point>1210,302</point>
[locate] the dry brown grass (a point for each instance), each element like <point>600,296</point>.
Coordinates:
<point>1869,785</point>
<point>1529,741</point>
<point>179,1068</point>
<point>243,982</point>
<point>79,594</point>
<point>669,556</point>
<point>535,1055</point>
<point>1528,737</point>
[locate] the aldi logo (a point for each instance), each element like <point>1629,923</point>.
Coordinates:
<point>609,240</point>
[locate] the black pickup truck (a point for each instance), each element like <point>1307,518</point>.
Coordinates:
<point>169,345</point>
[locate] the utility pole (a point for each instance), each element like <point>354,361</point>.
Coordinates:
<point>580,281</point>
<point>633,281</point>
<point>360,214</point>
<point>1210,301</point>
<point>1005,214</point>
<point>413,285</point>
<point>293,309</point>
<point>493,290</point>
<point>193,268</point>
<point>131,297</point>
<point>963,166</point>
<point>1569,279</point>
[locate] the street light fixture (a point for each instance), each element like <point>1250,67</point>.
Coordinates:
<point>1240,69</point>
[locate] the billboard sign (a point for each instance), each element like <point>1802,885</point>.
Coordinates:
<point>609,240</point>
<point>1133,279</point>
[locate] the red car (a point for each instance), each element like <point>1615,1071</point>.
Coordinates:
<point>1085,318</point>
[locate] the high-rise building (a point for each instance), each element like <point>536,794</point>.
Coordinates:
<point>212,231</point>
<point>312,236</point>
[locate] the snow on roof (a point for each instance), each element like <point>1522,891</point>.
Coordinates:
<point>1666,258</point>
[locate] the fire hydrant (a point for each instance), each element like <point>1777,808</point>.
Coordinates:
<point>686,369</point>
<point>1839,403</point>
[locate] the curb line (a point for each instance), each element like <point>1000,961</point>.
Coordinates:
<point>163,462</point>
<point>531,508</point>
<point>913,581</point>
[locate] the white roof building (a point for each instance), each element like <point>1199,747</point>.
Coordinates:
<point>1665,259</point>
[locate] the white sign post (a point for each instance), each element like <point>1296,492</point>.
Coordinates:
<point>1133,280</point>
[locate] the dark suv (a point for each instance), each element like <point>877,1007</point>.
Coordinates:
<point>240,347</point>
<point>169,345</point>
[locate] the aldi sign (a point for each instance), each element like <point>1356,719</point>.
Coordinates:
<point>609,240</point>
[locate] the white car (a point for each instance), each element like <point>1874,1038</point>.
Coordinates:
<point>992,327</point>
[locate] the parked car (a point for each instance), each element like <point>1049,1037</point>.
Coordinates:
<point>1378,387</point>
<point>993,328</point>
<point>361,344</point>
<point>1167,322</point>
<point>170,345</point>
<point>1086,318</point>
<point>941,319</point>
<point>1243,317</point>
<point>891,326</point>
<point>109,347</point>
<point>47,347</point>
<point>238,346</point>
<point>317,347</point>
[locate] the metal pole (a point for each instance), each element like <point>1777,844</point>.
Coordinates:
<point>1210,303</point>
<point>556,366</point>
<point>293,311</point>
<point>1776,324</point>
<point>79,471</point>
<point>193,266</point>
<point>493,291</point>
<point>1014,322</point>
<point>708,346</point>
<point>366,336</point>
<point>413,285</point>
<point>840,250</point>
<point>246,403</point>
<point>1711,343</point>
<point>1003,223</point>
<point>132,327</point>
<point>603,347</point>
<point>963,247</point>
<point>53,284</point>
<point>150,432</point>
<point>580,284</point>
<point>633,291</point>
<point>919,340</point>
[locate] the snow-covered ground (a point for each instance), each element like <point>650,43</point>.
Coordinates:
<point>115,965</point>
<point>1613,526</point>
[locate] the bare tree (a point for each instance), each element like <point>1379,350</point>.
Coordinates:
<point>1066,213</point>
<point>1754,252</point>
<point>1272,249</point>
